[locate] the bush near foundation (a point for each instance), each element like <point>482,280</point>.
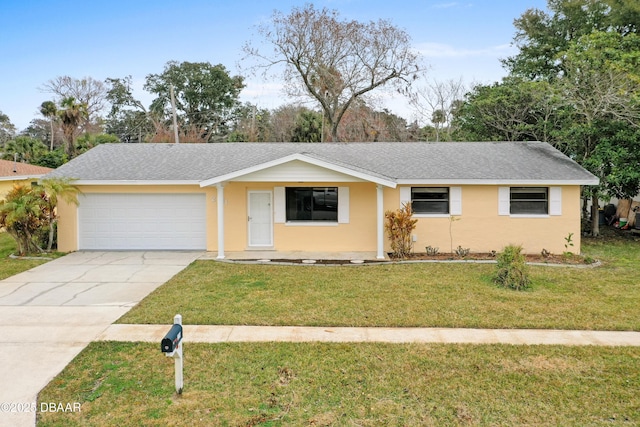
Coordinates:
<point>512,270</point>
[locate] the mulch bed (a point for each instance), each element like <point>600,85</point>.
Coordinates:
<point>444,257</point>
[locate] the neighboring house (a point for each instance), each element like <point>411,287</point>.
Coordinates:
<point>18,173</point>
<point>321,196</point>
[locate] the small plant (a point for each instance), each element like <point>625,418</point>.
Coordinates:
<point>512,271</point>
<point>493,254</point>
<point>399,224</point>
<point>452,219</point>
<point>431,250</point>
<point>462,252</point>
<point>568,242</point>
<point>567,254</point>
<point>545,253</point>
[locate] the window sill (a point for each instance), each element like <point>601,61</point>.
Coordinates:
<point>529,215</point>
<point>424,215</point>
<point>311,223</point>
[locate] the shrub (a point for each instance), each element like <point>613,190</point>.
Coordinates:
<point>512,271</point>
<point>399,224</point>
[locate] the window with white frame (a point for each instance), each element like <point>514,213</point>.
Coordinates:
<point>430,200</point>
<point>312,204</point>
<point>529,200</point>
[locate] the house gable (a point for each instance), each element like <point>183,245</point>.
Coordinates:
<point>300,168</point>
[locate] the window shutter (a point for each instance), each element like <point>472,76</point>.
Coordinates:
<point>279,205</point>
<point>405,195</point>
<point>455,200</point>
<point>343,205</point>
<point>555,201</point>
<point>504,201</point>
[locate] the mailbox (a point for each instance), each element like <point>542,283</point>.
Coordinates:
<point>171,341</point>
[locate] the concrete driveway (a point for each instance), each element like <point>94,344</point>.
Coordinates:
<point>50,313</point>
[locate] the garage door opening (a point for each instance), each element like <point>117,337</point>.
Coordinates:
<point>142,221</point>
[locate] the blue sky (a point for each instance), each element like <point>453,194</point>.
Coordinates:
<point>40,40</point>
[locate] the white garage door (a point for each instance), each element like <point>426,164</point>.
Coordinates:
<point>142,221</point>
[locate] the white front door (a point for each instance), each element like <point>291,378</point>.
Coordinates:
<point>260,221</point>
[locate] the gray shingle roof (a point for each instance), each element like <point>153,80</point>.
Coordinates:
<point>459,161</point>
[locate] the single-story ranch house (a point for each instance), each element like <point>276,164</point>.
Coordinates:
<point>321,196</point>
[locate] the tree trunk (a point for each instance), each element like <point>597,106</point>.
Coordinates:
<point>595,216</point>
<point>51,122</point>
<point>51,234</point>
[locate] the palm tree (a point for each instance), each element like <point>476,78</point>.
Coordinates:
<point>27,213</point>
<point>22,214</point>
<point>72,116</point>
<point>51,190</point>
<point>49,110</point>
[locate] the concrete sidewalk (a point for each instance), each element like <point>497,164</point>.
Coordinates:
<point>218,334</point>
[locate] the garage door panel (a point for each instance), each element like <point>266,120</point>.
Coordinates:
<point>142,221</point>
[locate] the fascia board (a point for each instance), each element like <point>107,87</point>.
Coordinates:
<point>132,182</point>
<point>20,177</point>
<point>595,181</point>
<point>301,157</point>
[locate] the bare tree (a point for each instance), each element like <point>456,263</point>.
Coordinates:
<point>86,91</point>
<point>334,61</point>
<point>436,102</point>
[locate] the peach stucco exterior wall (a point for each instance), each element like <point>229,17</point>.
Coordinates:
<point>479,228</point>
<point>6,186</point>
<point>357,235</point>
<point>68,214</point>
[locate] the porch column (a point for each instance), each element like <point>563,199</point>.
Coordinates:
<point>380,221</point>
<point>220,188</point>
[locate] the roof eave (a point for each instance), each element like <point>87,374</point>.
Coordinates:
<point>21,177</point>
<point>498,181</point>
<point>133,182</point>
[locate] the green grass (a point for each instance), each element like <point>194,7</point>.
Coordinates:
<point>409,295</point>
<point>284,384</point>
<point>9,266</point>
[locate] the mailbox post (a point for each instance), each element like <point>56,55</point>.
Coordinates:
<point>171,346</point>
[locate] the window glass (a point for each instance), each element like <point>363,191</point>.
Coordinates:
<point>430,200</point>
<point>312,203</point>
<point>529,200</point>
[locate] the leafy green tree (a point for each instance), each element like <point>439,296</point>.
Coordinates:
<point>29,214</point>
<point>602,87</point>
<point>308,127</point>
<point>24,149</point>
<point>128,118</point>
<point>541,37</point>
<point>7,129</point>
<point>88,141</point>
<point>513,110</point>
<point>23,214</point>
<point>206,97</point>
<point>52,159</point>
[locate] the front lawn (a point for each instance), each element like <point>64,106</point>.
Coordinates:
<point>313,384</point>
<point>11,266</point>
<point>409,295</point>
